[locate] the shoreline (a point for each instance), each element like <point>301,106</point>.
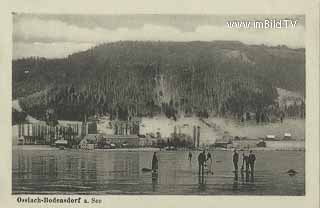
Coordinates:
<point>149,149</point>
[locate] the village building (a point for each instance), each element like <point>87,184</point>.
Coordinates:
<point>61,143</point>
<point>86,145</point>
<point>126,127</point>
<point>121,134</point>
<point>222,143</point>
<point>89,142</point>
<point>123,140</point>
<point>271,138</point>
<point>147,141</point>
<point>262,144</point>
<point>287,136</point>
<point>248,143</point>
<point>41,133</point>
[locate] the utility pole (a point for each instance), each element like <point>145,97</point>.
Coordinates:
<point>198,137</point>
<point>194,136</point>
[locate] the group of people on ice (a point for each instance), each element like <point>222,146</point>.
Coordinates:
<point>202,161</point>
<point>248,161</point>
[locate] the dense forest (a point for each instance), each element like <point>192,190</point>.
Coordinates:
<point>133,78</point>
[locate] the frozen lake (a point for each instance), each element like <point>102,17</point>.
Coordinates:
<point>45,170</point>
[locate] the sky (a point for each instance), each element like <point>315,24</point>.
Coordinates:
<point>58,35</point>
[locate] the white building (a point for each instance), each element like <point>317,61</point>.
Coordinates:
<point>89,142</point>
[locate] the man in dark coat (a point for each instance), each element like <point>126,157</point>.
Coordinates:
<point>190,156</point>
<point>154,162</point>
<point>201,160</point>
<point>245,162</point>
<point>252,159</point>
<point>235,159</point>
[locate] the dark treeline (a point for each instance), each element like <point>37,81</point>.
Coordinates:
<point>126,79</point>
<point>18,117</point>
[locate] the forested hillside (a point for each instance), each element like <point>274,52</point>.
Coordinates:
<point>135,78</point>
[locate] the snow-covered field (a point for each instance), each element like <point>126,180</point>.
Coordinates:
<point>215,128</point>
<point>251,130</point>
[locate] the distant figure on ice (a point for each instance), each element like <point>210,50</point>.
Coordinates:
<point>252,159</point>
<point>210,164</point>
<point>190,156</point>
<point>235,159</point>
<point>281,116</point>
<point>154,163</point>
<point>245,162</point>
<point>201,160</point>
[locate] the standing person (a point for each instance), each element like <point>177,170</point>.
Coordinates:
<point>154,163</point>
<point>245,162</point>
<point>201,160</point>
<point>209,157</point>
<point>210,165</point>
<point>281,116</point>
<point>252,159</point>
<point>190,156</point>
<point>204,159</point>
<point>235,159</point>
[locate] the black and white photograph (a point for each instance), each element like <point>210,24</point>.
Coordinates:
<point>158,104</point>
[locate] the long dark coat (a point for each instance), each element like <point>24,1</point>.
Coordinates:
<point>154,163</point>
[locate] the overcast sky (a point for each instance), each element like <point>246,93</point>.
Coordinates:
<point>56,36</point>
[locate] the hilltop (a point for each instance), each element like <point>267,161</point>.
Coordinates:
<point>134,78</point>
